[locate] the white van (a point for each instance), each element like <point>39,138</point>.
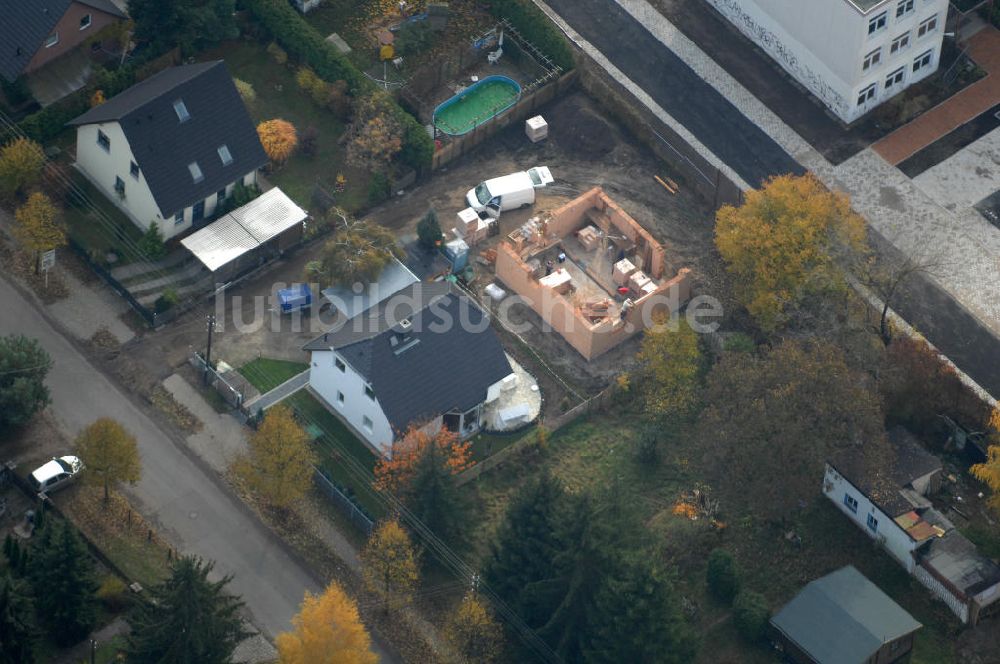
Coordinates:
<point>510,191</point>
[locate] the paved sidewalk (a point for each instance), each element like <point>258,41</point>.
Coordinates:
<point>222,438</point>
<point>283,391</point>
<point>88,308</point>
<point>967,177</point>
<point>984,48</point>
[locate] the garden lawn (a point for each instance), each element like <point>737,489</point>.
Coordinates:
<point>595,454</point>
<point>266,374</point>
<point>279,96</point>
<point>106,230</point>
<point>334,442</point>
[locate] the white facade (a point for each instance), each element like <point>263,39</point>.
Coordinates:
<point>346,391</point>
<point>852,54</point>
<point>876,523</point>
<point>110,165</point>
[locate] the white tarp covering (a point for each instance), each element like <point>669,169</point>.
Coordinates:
<point>242,230</point>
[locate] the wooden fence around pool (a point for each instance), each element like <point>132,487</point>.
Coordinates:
<point>525,108</point>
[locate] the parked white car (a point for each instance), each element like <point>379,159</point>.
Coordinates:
<point>56,474</point>
<point>510,191</point>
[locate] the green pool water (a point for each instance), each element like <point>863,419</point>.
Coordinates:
<point>474,106</point>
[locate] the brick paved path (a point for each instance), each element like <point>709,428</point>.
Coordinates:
<point>984,47</point>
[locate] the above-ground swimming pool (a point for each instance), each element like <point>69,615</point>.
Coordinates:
<point>478,103</point>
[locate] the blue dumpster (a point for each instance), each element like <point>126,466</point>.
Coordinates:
<point>297,297</point>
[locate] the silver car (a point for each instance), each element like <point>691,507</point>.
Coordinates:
<point>55,474</point>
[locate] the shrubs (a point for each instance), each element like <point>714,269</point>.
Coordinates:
<point>750,615</point>
<point>168,300</point>
<point>247,93</point>
<point>722,577</point>
<point>309,141</point>
<point>113,593</point>
<point>536,28</point>
<point>277,53</point>
<point>151,243</point>
<point>379,188</point>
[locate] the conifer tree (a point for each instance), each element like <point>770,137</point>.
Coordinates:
<point>191,619</point>
<point>62,578</point>
<point>17,626</point>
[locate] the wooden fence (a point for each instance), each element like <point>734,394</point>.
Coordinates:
<point>523,109</point>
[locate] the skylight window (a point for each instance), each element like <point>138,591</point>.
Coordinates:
<point>196,173</point>
<point>225,155</point>
<point>181,110</point>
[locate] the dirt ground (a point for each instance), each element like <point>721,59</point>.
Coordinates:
<point>584,149</point>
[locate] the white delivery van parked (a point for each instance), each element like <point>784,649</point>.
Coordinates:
<point>510,191</point>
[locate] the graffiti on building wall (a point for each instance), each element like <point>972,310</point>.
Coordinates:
<point>772,44</point>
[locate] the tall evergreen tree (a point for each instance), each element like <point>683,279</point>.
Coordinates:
<point>190,24</point>
<point>635,618</point>
<point>23,366</point>
<point>523,551</point>
<point>191,620</point>
<point>17,626</point>
<point>62,578</point>
<point>433,495</point>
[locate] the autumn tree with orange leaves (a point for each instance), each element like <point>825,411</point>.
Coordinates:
<point>279,139</point>
<point>988,472</point>
<point>377,136</point>
<point>787,246</point>
<point>421,470</point>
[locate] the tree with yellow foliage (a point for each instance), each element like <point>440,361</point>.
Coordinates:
<point>473,632</point>
<point>377,136</point>
<point>279,464</point>
<point>97,98</point>
<point>789,241</point>
<point>279,139</point>
<point>327,630</point>
<point>389,565</point>
<point>988,472</point>
<point>38,227</point>
<point>21,163</point>
<point>109,453</point>
<point>671,364</point>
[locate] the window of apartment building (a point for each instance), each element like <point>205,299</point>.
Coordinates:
<point>877,23</point>
<point>52,40</point>
<point>181,110</point>
<point>225,155</point>
<point>369,392</point>
<point>927,26</point>
<point>872,59</point>
<point>337,362</point>
<point>872,522</point>
<point>904,7</point>
<point>340,397</point>
<point>367,424</point>
<point>850,502</point>
<point>179,218</point>
<point>922,60</point>
<point>133,169</point>
<point>86,21</point>
<point>899,43</point>
<point>196,173</point>
<point>120,186</point>
<point>894,79</point>
<point>103,140</point>
<point>867,94</point>
<point>220,196</point>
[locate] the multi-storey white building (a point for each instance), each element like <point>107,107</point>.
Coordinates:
<point>852,54</point>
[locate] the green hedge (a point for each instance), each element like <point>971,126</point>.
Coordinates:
<point>301,41</point>
<point>47,123</point>
<point>536,27</point>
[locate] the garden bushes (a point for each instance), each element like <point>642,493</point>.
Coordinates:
<point>536,28</point>
<point>287,27</point>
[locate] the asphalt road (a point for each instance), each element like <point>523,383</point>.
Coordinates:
<point>176,495</point>
<point>677,89</point>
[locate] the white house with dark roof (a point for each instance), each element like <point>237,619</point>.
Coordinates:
<point>171,148</point>
<point>891,506</point>
<point>426,356</point>
<point>852,54</point>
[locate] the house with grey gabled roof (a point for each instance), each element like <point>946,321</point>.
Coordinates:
<point>171,148</point>
<point>425,356</point>
<point>843,618</point>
